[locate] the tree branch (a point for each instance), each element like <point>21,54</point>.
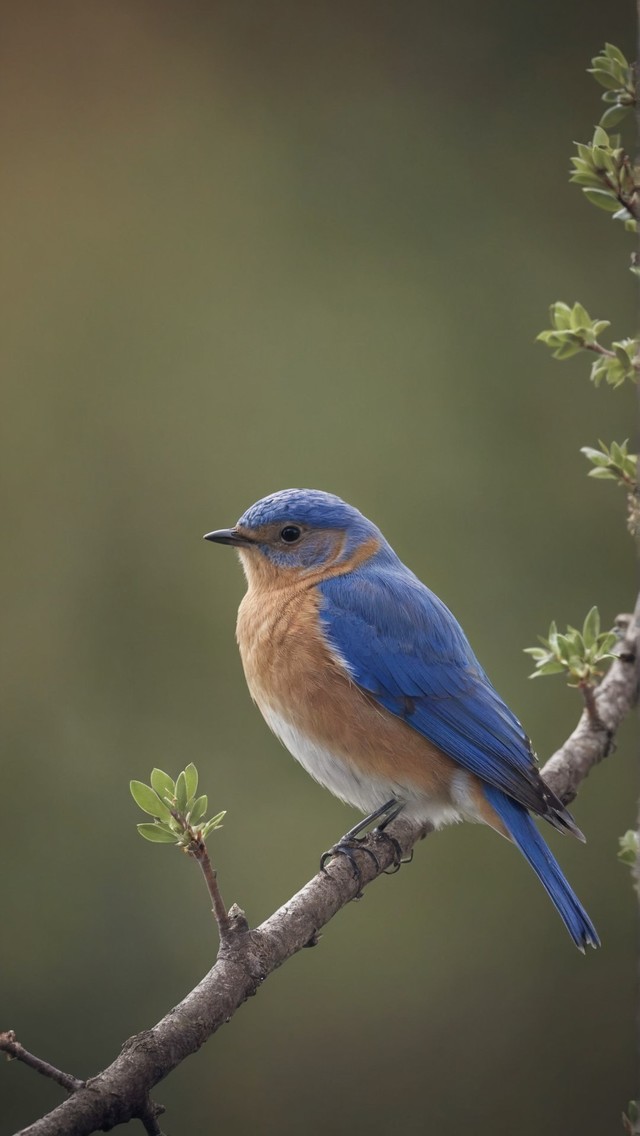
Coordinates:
<point>247,957</point>
<point>197,849</point>
<point>17,1052</point>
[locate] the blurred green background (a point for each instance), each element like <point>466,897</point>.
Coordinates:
<point>256,245</point>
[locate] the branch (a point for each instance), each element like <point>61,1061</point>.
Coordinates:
<point>17,1052</point>
<point>246,958</point>
<point>198,850</point>
<point>599,350</point>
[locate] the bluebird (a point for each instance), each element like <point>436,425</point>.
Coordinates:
<point>370,682</point>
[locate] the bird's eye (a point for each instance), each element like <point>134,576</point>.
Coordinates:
<point>290,534</point>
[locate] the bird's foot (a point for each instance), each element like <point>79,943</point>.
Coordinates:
<point>347,846</point>
<point>398,856</point>
<point>393,810</point>
<point>349,843</point>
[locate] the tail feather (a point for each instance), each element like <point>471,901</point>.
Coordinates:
<point>525,834</point>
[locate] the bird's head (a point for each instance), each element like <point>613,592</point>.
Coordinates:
<point>300,532</point>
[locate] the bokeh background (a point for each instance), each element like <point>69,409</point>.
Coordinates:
<point>254,245</point>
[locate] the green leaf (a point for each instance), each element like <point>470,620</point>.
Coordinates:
<point>191,779</point>
<point>215,822</point>
<point>630,465</point>
<point>148,800</point>
<point>567,350</point>
<point>605,78</point>
<point>622,354</point>
<point>564,646</point>
<point>580,317</point>
<point>591,627</point>
<point>608,639</point>
<point>598,371</point>
<point>199,809</point>
<point>157,834</point>
<point>584,177</point>
<point>584,152</point>
<point>602,199</point>
<point>614,114</point>
<point>595,456</point>
<point>617,454</point>
<point>602,474</point>
<point>600,137</point>
<point>552,667</point>
<point>163,784</point>
<point>560,315</point>
<point>629,848</point>
<point>603,160</point>
<point>181,792</point>
<point>614,52</point>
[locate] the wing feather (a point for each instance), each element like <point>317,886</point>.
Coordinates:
<point>401,644</point>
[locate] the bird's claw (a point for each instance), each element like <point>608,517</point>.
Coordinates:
<point>348,846</point>
<point>398,859</point>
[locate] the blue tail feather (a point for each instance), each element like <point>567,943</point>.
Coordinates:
<point>524,833</point>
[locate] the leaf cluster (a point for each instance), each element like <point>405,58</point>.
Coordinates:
<point>618,365</point>
<point>612,71</point>
<point>179,814</point>
<point>613,463</point>
<point>573,330</point>
<point>577,653</point>
<point>603,170</point>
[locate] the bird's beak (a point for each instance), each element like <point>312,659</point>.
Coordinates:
<point>228,536</point>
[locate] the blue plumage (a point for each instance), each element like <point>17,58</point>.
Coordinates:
<point>313,507</point>
<point>538,855</point>
<point>403,645</point>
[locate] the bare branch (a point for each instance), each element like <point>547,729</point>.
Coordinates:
<point>247,957</point>
<point>17,1052</point>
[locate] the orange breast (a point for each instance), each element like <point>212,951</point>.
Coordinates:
<point>292,673</point>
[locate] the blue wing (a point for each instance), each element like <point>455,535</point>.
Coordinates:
<point>403,646</point>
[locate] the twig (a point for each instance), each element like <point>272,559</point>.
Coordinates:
<point>246,958</point>
<point>17,1052</point>
<point>588,689</point>
<point>599,350</point>
<point>149,1117</point>
<point>198,849</point>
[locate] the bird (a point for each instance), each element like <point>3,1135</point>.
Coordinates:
<point>368,679</point>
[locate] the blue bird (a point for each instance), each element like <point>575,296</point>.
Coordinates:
<point>370,682</point>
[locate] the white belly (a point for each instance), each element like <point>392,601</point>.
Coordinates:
<point>364,791</point>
